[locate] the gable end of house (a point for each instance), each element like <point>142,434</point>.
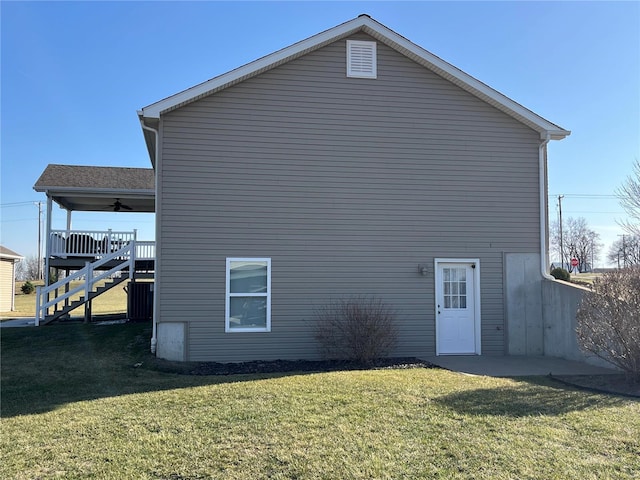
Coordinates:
<point>547,130</point>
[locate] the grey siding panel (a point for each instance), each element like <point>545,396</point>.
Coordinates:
<point>347,185</point>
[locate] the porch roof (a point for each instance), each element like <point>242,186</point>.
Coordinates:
<point>99,189</point>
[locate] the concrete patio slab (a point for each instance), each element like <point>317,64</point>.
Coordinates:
<point>18,322</point>
<point>515,366</point>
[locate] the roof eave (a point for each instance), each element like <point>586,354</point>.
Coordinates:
<point>11,257</point>
<point>107,192</point>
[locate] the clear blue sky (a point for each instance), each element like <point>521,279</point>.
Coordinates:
<point>74,74</point>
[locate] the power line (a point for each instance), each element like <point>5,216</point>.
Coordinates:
<point>596,212</point>
<point>18,204</point>
<point>586,195</point>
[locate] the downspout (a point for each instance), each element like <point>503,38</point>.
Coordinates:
<point>542,169</point>
<point>154,337</point>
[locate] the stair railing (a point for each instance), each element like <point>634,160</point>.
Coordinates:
<point>127,253</point>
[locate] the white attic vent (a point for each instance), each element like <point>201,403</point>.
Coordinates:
<point>361,59</point>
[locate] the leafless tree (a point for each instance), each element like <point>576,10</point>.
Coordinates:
<point>579,242</point>
<point>625,251</point>
<point>27,269</point>
<point>629,195</point>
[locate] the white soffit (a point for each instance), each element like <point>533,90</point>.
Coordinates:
<point>381,33</point>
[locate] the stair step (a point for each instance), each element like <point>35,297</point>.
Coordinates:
<point>60,314</point>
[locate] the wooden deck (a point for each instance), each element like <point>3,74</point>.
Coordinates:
<point>88,258</point>
<point>77,263</point>
<point>71,249</point>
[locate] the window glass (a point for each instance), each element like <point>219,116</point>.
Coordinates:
<point>247,312</point>
<point>454,281</point>
<point>248,295</point>
<point>248,277</point>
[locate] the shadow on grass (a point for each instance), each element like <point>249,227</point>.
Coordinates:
<point>535,396</point>
<point>45,368</point>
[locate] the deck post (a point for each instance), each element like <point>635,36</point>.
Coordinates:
<point>87,312</point>
<point>47,247</point>
<point>132,259</point>
<point>87,291</point>
<point>37,319</point>
<point>66,286</point>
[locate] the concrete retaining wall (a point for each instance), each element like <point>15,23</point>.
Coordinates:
<point>540,313</point>
<point>523,305</point>
<point>560,301</point>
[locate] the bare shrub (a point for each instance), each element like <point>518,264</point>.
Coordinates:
<point>608,320</point>
<point>357,328</point>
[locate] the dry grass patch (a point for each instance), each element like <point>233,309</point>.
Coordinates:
<point>112,301</point>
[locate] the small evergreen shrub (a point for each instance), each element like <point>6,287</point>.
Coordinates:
<point>359,328</point>
<point>608,320</point>
<point>560,274</point>
<point>27,288</point>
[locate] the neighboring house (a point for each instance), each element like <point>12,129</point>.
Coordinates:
<point>351,163</point>
<point>8,260</point>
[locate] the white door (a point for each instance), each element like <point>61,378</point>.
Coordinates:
<point>457,308</point>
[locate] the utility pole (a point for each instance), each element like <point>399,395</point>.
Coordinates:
<point>39,204</point>
<point>560,197</point>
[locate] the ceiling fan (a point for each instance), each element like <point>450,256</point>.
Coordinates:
<point>118,205</point>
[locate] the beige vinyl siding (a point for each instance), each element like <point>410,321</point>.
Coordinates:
<point>347,185</point>
<point>6,284</point>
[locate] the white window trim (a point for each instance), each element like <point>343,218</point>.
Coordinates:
<point>229,295</point>
<point>374,72</point>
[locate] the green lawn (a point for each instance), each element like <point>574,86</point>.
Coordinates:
<point>75,405</point>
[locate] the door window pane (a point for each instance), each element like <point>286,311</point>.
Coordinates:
<point>454,283</point>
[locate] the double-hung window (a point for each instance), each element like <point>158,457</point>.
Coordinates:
<point>248,296</point>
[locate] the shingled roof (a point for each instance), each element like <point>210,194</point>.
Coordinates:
<point>95,189</point>
<point>108,178</point>
<point>8,253</point>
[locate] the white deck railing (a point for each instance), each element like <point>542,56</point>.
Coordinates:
<point>145,250</point>
<point>96,243</point>
<point>87,243</point>
<point>90,275</point>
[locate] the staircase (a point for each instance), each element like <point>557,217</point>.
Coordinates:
<point>58,314</point>
<point>125,267</point>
